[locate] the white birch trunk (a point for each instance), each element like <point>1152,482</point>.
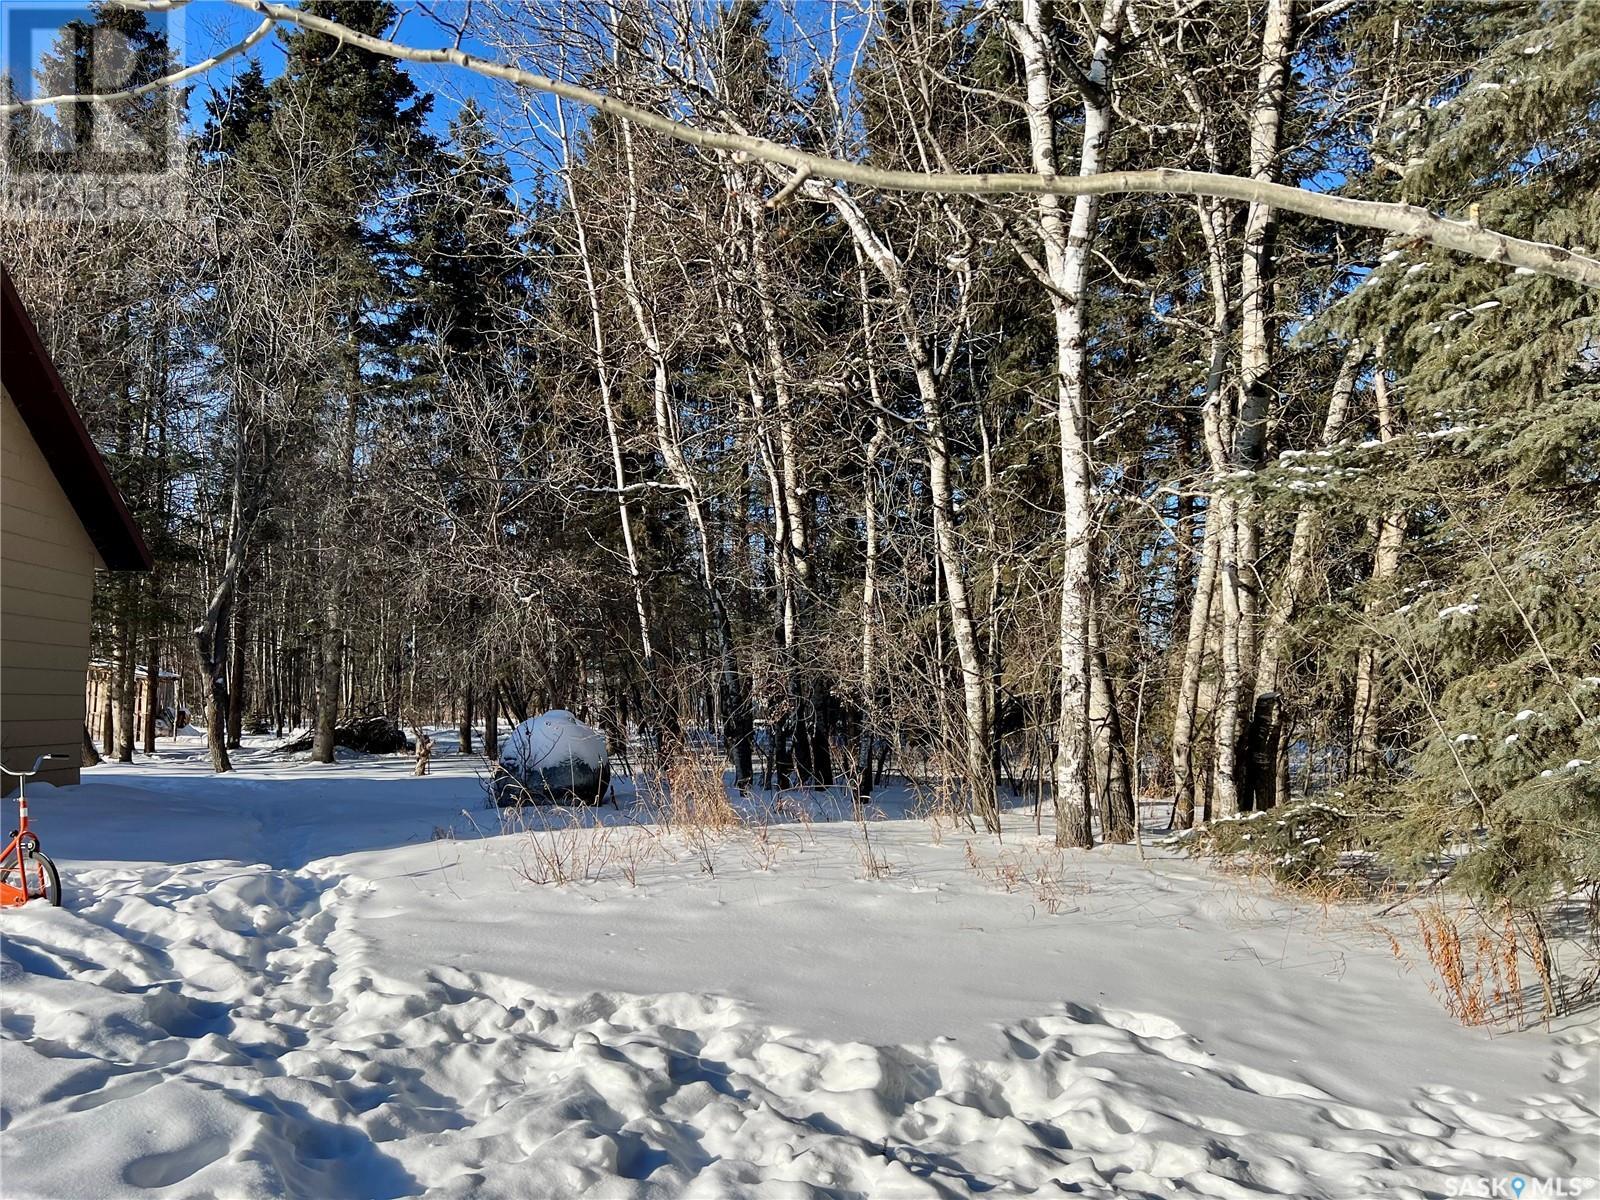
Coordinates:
<point>963,628</point>
<point>1206,603</point>
<point>602,369</point>
<point>1238,581</point>
<point>1185,716</point>
<point>869,572</point>
<point>1066,251</point>
<point>1365,725</point>
<point>1302,544</point>
<point>733,699</point>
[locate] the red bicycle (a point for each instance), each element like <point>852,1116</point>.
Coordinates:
<point>26,872</point>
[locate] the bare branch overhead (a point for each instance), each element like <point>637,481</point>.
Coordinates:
<point>1402,220</point>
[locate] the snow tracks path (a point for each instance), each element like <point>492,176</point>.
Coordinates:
<point>221,1030</point>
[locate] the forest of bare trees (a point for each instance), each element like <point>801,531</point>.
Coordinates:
<point>462,406</point>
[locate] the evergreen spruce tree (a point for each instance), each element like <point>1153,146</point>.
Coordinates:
<point>459,344</point>
<point>1501,473</point>
<point>353,122</point>
<point>1487,635</point>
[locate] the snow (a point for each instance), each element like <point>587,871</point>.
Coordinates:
<point>335,981</point>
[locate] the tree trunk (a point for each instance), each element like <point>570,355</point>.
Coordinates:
<point>808,692</point>
<point>1238,582</point>
<point>491,724</point>
<point>328,682</point>
<point>865,779</point>
<point>236,669</point>
<point>1114,788</point>
<point>152,678</point>
<point>211,635</point>
<point>211,647</point>
<point>994,649</point>
<point>467,718</point>
<point>123,671</point>
<point>963,628</point>
<point>1186,712</point>
<point>332,685</point>
<point>1226,783</point>
<point>1065,267</point>
<point>786,709</point>
<point>1365,722</point>
<point>603,381</point>
<point>1205,609</point>
<point>869,571</point>
<point>1268,705</point>
<point>733,692</point>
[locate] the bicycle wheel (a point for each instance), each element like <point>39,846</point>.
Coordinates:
<point>43,878</point>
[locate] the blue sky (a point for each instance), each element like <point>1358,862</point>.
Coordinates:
<point>203,27</point>
<point>211,24</point>
<point>30,27</point>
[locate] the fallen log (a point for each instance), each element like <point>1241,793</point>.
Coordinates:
<point>369,735</point>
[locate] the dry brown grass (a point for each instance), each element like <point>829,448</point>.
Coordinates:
<point>1037,871</point>
<point>769,841</point>
<point>941,800</point>
<point>788,809</point>
<point>691,793</point>
<point>873,864</point>
<point>689,814</point>
<point>559,847</point>
<point>1477,962</point>
<point>635,848</point>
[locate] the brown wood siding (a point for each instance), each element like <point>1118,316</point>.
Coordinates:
<point>47,565</point>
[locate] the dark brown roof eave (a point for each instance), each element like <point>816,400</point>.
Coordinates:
<point>36,389</point>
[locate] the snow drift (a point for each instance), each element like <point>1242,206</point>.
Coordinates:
<point>552,758</point>
<point>310,996</point>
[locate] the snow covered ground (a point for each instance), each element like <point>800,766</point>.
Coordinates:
<point>333,982</point>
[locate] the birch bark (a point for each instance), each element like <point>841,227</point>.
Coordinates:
<point>869,570</point>
<point>1267,708</point>
<point>1066,255</point>
<point>976,757</point>
<point>733,694</point>
<point>1364,720</point>
<point>1237,580</point>
<point>603,381</point>
<point>1206,605</point>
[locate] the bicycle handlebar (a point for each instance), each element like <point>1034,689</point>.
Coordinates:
<point>43,758</point>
